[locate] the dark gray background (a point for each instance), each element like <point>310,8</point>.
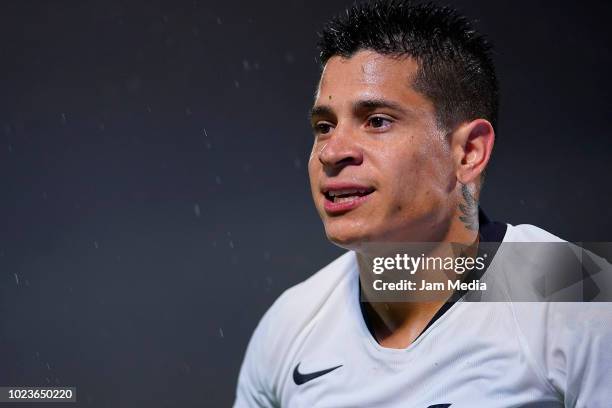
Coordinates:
<point>155,198</point>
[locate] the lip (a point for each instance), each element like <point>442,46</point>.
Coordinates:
<point>338,208</point>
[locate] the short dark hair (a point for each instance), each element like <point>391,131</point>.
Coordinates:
<point>455,68</point>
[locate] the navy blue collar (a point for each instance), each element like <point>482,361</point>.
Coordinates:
<point>490,231</point>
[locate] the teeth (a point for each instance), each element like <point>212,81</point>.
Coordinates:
<point>344,199</point>
<point>335,193</point>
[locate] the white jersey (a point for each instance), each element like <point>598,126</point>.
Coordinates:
<point>313,348</point>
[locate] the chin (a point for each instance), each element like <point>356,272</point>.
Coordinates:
<point>347,238</point>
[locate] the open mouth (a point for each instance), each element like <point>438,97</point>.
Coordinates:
<point>346,195</point>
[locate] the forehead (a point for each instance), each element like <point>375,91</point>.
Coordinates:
<point>368,74</point>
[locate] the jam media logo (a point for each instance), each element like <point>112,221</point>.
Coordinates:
<point>301,378</point>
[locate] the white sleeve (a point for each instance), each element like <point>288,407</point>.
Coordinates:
<point>254,389</point>
<point>578,356</point>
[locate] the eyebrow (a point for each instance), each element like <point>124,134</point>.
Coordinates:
<point>320,110</point>
<point>361,105</point>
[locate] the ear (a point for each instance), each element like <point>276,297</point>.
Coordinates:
<point>472,144</point>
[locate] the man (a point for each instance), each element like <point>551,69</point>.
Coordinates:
<point>404,121</point>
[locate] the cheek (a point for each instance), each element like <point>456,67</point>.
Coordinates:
<point>314,164</point>
<point>407,169</point>
<point>314,170</point>
<point>420,178</point>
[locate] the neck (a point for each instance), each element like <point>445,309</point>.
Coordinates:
<point>396,322</point>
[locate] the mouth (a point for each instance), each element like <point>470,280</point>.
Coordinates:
<point>345,198</point>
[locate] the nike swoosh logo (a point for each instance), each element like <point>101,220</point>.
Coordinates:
<point>440,406</point>
<point>300,378</point>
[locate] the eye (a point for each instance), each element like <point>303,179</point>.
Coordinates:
<point>322,128</point>
<point>379,122</point>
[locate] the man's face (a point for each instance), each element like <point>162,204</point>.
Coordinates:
<point>380,168</point>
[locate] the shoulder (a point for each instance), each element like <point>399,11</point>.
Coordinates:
<point>540,266</point>
<point>300,303</point>
<point>564,340</point>
<point>296,308</point>
<point>280,330</point>
<point>529,233</point>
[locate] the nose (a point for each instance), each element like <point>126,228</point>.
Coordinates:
<point>340,151</point>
